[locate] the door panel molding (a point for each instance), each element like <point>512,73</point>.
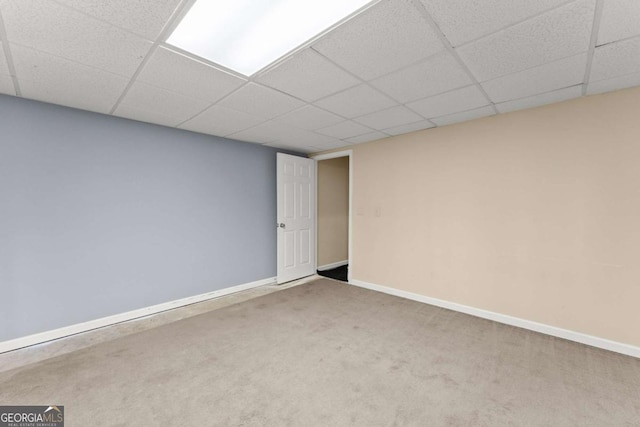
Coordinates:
<point>296,217</point>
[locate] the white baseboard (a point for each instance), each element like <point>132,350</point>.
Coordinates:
<point>123,317</point>
<point>333,265</point>
<point>603,343</point>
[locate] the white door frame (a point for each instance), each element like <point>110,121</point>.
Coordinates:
<point>317,158</point>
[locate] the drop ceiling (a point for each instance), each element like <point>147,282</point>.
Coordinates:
<point>398,67</point>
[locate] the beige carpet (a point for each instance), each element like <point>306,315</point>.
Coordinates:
<point>330,354</point>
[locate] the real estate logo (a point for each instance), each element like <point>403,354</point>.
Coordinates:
<point>32,416</point>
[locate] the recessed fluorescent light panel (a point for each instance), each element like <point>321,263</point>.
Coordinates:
<point>248,35</point>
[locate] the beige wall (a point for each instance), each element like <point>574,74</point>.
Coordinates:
<point>534,214</point>
<point>333,210</point>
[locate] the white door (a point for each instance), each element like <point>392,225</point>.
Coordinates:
<point>296,217</point>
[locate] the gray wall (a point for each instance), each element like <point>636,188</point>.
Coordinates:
<point>101,215</point>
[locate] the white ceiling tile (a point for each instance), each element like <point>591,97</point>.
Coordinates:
<point>308,75</point>
<point>291,147</point>
<point>346,129</point>
<point>544,78</point>
<point>48,78</point>
<point>616,59</point>
<point>620,20</point>
<point>6,82</point>
<point>261,101</point>
<point>437,74</point>
<point>367,137</point>
<point>464,116</point>
<point>387,37</point>
<point>181,74</point>
<point>463,20</point>
<point>49,27</point>
<point>306,138</point>
<point>272,132</point>
<point>411,127</point>
<point>332,145</point>
<point>539,100</point>
<point>464,99</point>
<point>263,133</point>
<point>616,83</point>
<point>356,101</point>
<point>4,67</point>
<point>554,35</point>
<point>394,116</point>
<point>6,85</point>
<point>129,112</point>
<point>80,53</point>
<point>143,17</point>
<point>163,102</point>
<point>221,121</point>
<point>310,117</point>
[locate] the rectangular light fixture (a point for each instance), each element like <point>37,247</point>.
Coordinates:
<point>247,35</point>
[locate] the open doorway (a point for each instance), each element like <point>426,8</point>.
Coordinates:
<point>334,215</point>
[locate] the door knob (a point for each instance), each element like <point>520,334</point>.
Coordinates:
<point>281,225</point>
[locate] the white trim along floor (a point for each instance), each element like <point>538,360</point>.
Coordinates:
<point>64,345</point>
<point>553,331</point>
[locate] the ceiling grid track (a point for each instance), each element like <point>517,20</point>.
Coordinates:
<point>406,65</point>
<point>592,44</point>
<point>7,53</point>
<point>216,103</point>
<point>180,12</point>
<point>97,18</point>
<point>252,79</point>
<point>514,24</point>
<point>168,26</point>
<point>449,47</point>
<point>248,79</point>
<point>369,85</point>
<point>309,43</point>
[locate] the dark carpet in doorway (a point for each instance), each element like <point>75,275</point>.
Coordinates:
<point>338,273</point>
